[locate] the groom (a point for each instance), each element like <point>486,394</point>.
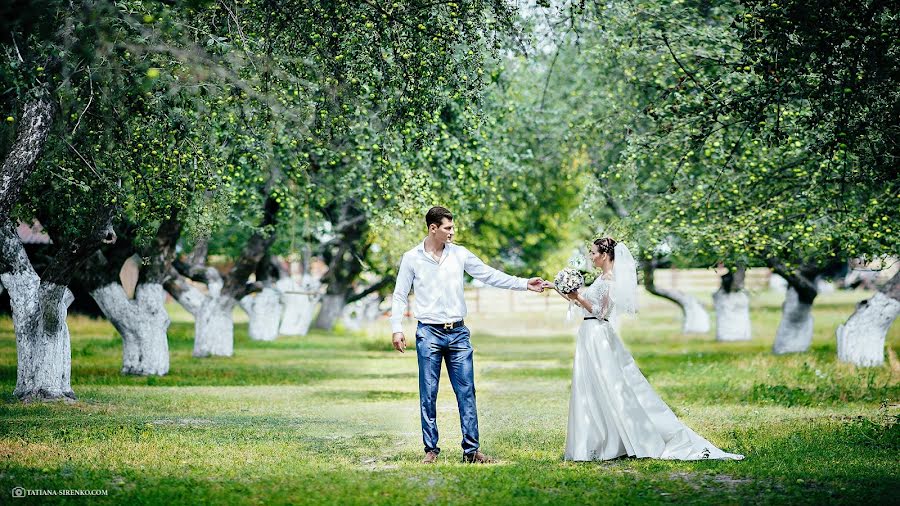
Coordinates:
<point>434,268</point>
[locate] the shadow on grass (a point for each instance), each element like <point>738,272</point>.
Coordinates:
<point>822,460</point>
<point>826,394</point>
<point>363,395</point>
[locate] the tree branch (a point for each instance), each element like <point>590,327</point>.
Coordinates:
<point>254,251</point>
<point>691,74</point>
<point>189,297</point>
<point>805,287</point>
<point>385,281</point>
<point>193,272</point>
<point>31,137</point>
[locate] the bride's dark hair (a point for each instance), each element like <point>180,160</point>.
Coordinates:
<point>606,245</point>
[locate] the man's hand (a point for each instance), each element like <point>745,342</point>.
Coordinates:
<point>399,341</point>
<point>536,285</point>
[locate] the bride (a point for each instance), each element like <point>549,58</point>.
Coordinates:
<point>613,410</point>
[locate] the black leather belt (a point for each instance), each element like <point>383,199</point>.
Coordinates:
<point>445,326</point>
<point>595,318</point>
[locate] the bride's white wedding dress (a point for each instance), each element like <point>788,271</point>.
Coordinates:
<point>613,410</point>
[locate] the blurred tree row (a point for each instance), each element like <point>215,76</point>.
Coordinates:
<point>744,134</point>
<point>147,136</point>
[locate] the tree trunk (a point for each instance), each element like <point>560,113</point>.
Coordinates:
<point>777,283</point>
<point>824,286</point>
<point>214,328</point>
<point>332,308</point>
<point>264,310</point>
<point>794,334</point>
<point>732,304</point>
<point>142,323</point>
<point>860,340</point>
<point>213,320</point>
<point>43,346</point>
<point>695,317</point>
<point>43,349</point>
<point>299,308</point>
<point>362,312</point>
<point>732,315</point>
<point>31,136</point>
<point>344,262</point>
<point>127,286</point>
<point>795,330</point>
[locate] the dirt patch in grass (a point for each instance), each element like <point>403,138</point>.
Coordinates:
<point>699,481</point>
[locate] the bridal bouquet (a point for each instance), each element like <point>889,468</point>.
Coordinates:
<point>568,280</point>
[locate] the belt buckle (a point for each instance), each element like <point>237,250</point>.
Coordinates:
<point>448,326</point>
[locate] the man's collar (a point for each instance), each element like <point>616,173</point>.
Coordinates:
<point>421,246</point>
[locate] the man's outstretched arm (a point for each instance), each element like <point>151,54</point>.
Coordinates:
<point>399,303</point>
<point>498,279</point>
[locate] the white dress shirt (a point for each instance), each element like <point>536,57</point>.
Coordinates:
<point>439,284</point>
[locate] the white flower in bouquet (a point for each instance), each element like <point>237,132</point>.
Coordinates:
<point>568,280</point>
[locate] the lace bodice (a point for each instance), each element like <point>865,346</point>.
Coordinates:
<point>598,294</point>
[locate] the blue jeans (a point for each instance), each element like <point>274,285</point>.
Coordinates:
<point>435,344</point>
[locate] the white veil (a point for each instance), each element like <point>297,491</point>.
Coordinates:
<point>625,281</point>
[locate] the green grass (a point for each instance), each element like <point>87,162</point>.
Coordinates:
<point>332,418</point>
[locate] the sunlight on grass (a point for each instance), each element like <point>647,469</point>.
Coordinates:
<point>333,418</point>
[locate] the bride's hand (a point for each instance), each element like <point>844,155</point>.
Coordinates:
<point>573,296</point>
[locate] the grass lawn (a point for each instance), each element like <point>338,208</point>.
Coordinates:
<point>332,418</point>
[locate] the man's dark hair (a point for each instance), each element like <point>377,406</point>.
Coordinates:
<point>436,215</point>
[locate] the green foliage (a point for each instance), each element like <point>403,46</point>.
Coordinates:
<point>525,214</point>
<point>140,120</point>
<point>737,160</point>
<point>361,96</point>
<point>206,109</point>
<point>369,82</point>
<point>841,62</point>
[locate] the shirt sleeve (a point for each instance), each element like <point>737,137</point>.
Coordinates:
<point>599,300</point>
<point>490,276</point>
<point>401,294</point>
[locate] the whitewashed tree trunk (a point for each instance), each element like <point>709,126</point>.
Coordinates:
<point>214,328</point>
<point>732,315</point>
<point>264,310</point>
<point>777,283</point>
<point>332,307</point>
<point>362,312</point>
<point>696,319</point>
<point>22,155</point>
<point>213,320</point>
<point>860,340</point>
<point>142,323</point>
<point>824,286</point>
<point>299,308</point>
<point>43,346</point>
<point>795,331</point>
